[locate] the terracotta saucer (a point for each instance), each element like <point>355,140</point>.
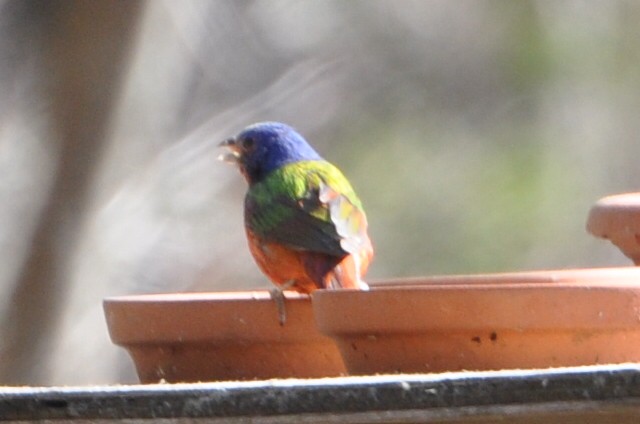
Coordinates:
<point>191,337</point>
<point>486,322</point>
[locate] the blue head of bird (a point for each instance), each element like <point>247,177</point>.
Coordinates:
<point>266,146</point>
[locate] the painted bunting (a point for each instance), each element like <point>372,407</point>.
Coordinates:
<point>305,225</point>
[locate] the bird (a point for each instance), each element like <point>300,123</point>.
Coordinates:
<point>305,225</point>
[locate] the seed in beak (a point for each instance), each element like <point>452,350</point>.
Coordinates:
<point>230,157</point>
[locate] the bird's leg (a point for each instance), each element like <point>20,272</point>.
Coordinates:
<point>277,294</point>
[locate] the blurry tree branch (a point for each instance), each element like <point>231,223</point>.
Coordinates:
<point>84,47</point>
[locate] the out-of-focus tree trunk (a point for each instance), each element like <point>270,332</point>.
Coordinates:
<point>84,45</point>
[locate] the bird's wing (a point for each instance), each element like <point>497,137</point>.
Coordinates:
<point>319,218</point>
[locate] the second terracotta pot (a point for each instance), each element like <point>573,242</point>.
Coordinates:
<point>617,218</point>
<point>486,322</point>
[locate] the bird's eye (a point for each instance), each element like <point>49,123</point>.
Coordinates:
<point>248,143</point>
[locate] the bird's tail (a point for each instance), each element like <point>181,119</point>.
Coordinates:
<point>348,273</point>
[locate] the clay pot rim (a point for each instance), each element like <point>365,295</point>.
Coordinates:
<point>603,276</point>
<point>449,315</point>
<point>503,279</point>
<point>600,299</point>
<point>218,297</point>
<point>242,317</point>
<point>623,199</point>
<point>617,218</point>
<point>614,214</point>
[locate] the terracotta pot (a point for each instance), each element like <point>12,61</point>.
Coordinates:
<point>486,322</point>
<point>193,337</point>
<point>617,218</point>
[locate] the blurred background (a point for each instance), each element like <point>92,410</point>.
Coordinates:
<point>477,133</point>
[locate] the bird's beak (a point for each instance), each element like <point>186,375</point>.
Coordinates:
<point>234,153</point>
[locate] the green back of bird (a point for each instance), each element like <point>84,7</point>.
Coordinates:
<point>288,206</point>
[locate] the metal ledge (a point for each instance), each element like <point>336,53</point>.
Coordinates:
<point>602,394</point>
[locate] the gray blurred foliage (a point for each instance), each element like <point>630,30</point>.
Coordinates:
<point>477,133</point>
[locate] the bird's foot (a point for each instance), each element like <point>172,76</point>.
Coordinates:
<point>277,294</point>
